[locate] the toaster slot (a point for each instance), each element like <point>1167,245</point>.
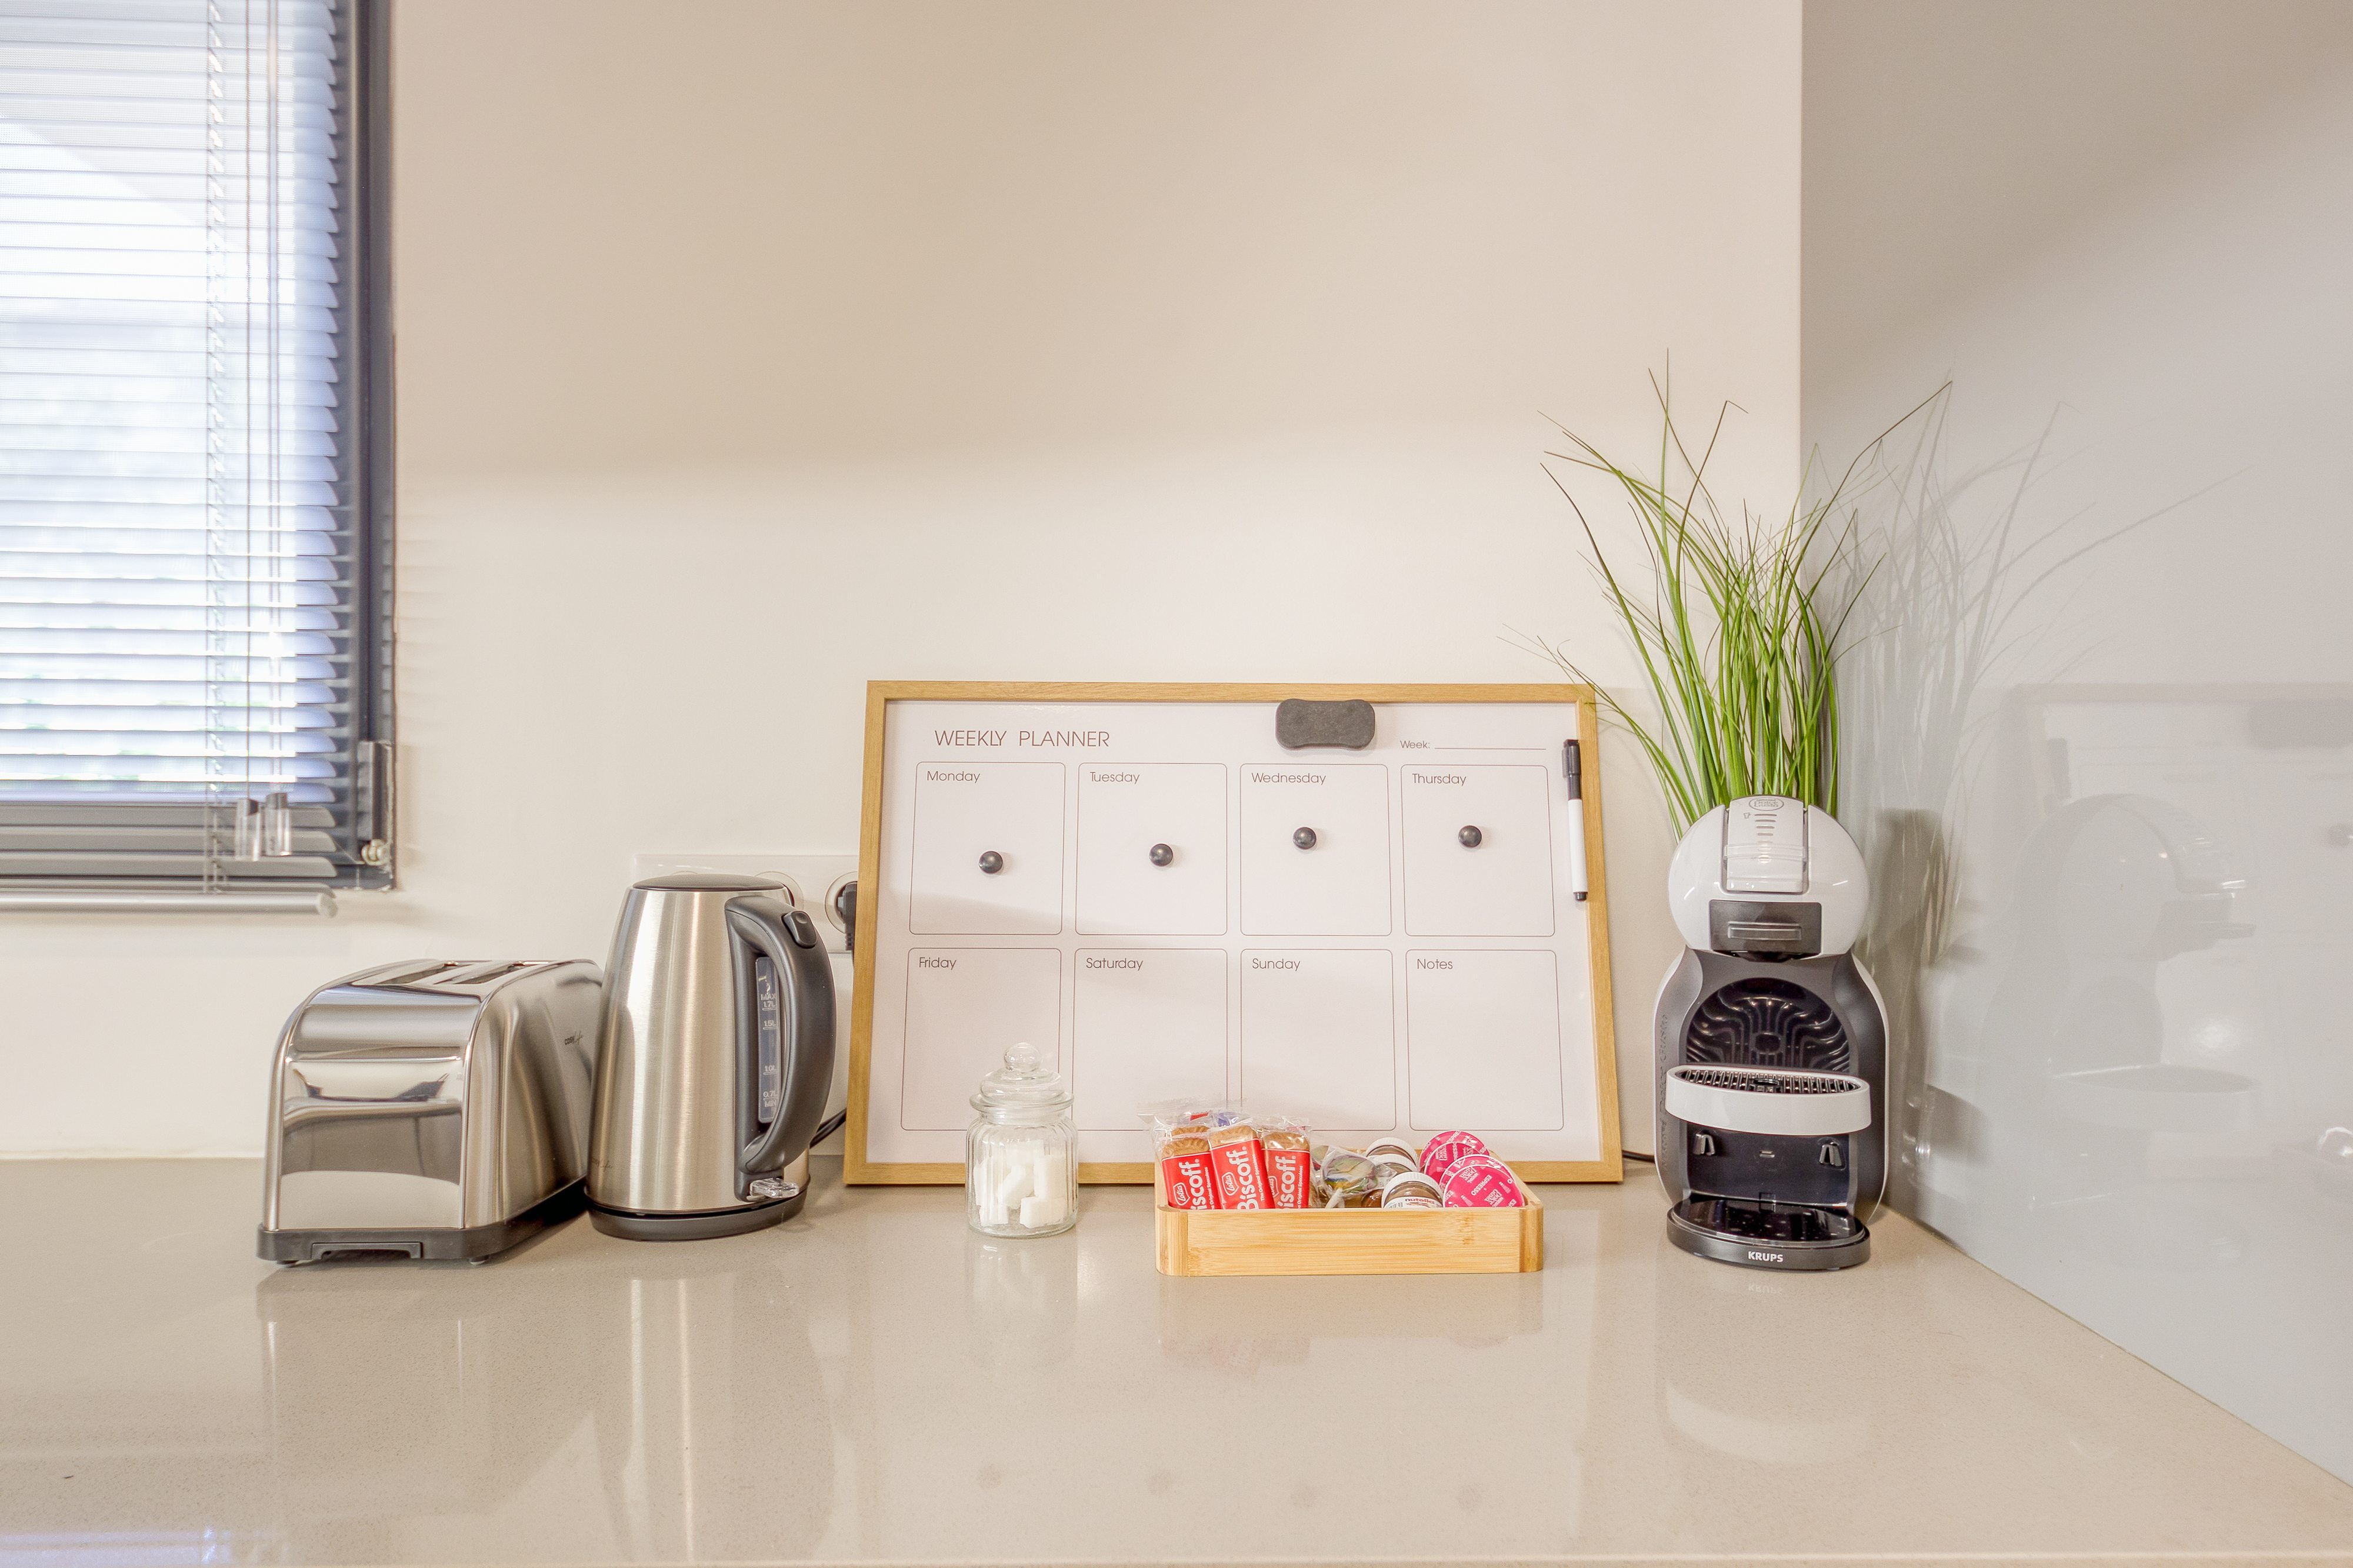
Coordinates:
<point>483,973</point>
<point>416,975</point>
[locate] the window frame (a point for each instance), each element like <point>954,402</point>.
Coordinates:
<point>373,794</point>
<point>367,433</point>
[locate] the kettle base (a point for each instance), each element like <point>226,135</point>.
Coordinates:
<point>631,1225</point>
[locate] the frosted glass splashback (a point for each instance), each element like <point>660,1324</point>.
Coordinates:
<point>2101,712</point>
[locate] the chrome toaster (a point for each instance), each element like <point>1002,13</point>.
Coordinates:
<point>431,1110</point>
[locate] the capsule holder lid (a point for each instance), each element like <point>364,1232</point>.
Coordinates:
<point>1770,1101</point>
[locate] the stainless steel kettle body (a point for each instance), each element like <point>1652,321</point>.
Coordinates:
<point>714,1062</point>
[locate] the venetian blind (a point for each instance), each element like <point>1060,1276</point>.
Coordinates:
<point>183,655</point>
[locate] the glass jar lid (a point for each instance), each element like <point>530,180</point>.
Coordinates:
<point>1025,1082</point>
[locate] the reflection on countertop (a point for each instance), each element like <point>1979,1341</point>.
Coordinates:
<point>872,1382</point>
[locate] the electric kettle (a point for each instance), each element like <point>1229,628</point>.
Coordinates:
<point>712,1062</point>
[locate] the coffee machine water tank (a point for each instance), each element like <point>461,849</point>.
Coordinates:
<point>1767,874</point>
<point>1770,1042</point>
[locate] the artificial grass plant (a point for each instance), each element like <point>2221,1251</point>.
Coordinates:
<point>1738,629</point>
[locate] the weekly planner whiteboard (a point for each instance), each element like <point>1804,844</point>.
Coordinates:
<point>1380,930</point>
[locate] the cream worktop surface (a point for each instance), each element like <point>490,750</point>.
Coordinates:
<point>873,1383</point>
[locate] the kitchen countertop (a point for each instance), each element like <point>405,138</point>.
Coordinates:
<point>872,1383</point>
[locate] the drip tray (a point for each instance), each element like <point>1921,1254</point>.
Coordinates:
<point>1758,1234</point>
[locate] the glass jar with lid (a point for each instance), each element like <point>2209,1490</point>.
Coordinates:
<point>1021,1154</point>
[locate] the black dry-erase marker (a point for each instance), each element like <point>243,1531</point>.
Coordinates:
<point>1574,772</point>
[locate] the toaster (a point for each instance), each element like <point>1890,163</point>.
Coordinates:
<point>434,1109</point>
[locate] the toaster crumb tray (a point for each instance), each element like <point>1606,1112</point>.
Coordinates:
<point>442,1244</point>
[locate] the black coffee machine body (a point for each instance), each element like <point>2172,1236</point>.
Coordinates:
<point>1771,1044</point>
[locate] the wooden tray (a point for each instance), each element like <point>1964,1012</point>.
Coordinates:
<point>1195,1242</point>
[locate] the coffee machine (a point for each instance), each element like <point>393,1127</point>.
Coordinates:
<point>1771,1043</point>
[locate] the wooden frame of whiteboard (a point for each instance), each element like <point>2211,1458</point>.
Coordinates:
<point>880,694</point>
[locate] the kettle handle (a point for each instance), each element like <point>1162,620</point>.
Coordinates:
<point>789,941</point>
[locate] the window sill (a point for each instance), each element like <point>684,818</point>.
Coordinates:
<point>73,901</point>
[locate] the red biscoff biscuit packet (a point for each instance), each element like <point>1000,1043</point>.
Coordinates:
<point>1237,1163</point>
<point>1181,1142</point>
<point>1446,1147</point>
<point>1290,1167</point>
<point>1478,1182</point>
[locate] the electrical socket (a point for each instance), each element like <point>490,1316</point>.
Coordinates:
<point>811,879</point>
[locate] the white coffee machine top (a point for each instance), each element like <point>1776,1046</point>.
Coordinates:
<point>1768,850</point>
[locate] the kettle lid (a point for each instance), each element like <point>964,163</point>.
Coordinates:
<point>710,882</point>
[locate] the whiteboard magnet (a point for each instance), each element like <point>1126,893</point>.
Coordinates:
<point>1301,721</point>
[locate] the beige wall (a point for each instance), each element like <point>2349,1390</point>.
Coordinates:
<point>751,351</point>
